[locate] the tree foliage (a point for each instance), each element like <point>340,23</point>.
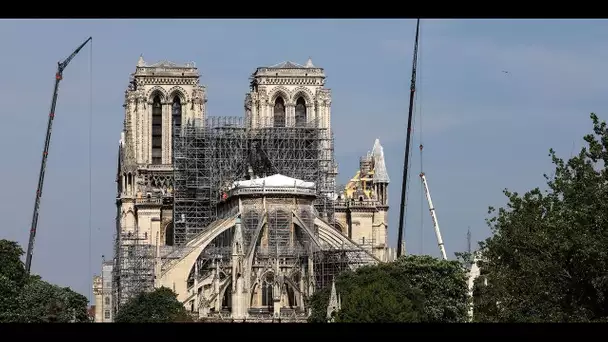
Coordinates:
<point>411,289</point>
<point>12,279</point>
<point>547,260</point>
<point>160,305</point>
<point>27,299</point>
<point>444,286</point>
<point>40,301</point>
<point>11,267</point>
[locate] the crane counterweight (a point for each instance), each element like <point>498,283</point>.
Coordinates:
<point>58,77</point>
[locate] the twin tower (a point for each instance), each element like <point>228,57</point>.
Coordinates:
<point>164,95</point>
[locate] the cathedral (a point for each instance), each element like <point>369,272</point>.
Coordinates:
<point>239,216</point>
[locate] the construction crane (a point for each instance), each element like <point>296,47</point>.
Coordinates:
<point>58,77</point>
<point>433,216</point>
<point>408,138</point>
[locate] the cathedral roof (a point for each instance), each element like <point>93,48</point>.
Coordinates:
<point>293,65</point>
<point>287,65</point>
<point>163,64</point>
<point>289,68</point>
<point>380,172</point>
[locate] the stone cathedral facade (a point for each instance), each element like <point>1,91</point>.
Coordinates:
<point>248,281</point>
<point>159,97</point>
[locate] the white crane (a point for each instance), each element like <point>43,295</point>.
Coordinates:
<point>433,216</point>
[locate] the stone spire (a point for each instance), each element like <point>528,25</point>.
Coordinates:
<point>380,172</point>
<point>237,240</point>
<point>309,63</point>
<point>334,302</point>
<point>140,62</point>
<point>238,253</point>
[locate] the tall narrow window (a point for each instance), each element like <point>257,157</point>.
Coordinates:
<point>279,112</point>
<point>176,111</point>
<point>300,112</point>
<point>169,235</point>
<point>267,294</point>
<point>157,131</point>
<point>176,120</point>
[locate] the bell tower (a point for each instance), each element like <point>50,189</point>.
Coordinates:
<point>288,94</point>
<point>160,97</point>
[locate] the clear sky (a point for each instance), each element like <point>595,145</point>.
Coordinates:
<point>483,129</point>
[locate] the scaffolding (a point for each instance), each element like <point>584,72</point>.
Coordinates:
<point>134,255</point>
<point>134,266</point>
<point>210,155</point>
<point>330,262</point>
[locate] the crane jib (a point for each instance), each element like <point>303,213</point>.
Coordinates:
<point>58,77</point>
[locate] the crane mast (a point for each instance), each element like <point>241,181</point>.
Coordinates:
<point>408,138</point>
<point>58,77</point>
<point>433,216</point>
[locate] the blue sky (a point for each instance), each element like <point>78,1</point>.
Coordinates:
<point>483,130</point>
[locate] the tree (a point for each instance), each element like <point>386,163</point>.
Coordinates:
<point>160,305</point>
<point>371,294</point>
<point>12,278</point>
<point>40,301</point>
<point>411,289</point>
<point>444,284</point>
<point>11,266</point>
<point>547,260</point>
<point>26,298</point>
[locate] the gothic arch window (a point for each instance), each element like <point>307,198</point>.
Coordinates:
<point>301,112</point>
<point>176,118</point>
<point>279,112</point>
<point>176,112</point>
<point>169,234</point>
<point>157,131</point>
<point>267,289</point>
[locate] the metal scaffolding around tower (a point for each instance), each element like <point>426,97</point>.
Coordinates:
<point>134,268</point>
<point>134,255</point>
<point>210,155</point>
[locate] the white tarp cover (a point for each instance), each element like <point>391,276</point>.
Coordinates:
<point>274,181</point>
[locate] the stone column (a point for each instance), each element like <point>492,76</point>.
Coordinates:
<point>196,296</point>
<point>216,288</point>
<point>166,132</point>
<point>154,228</point>
<point>255,106</point>
<point>290,114</point>
<point>138,147</point>
<point>310,115</point>
<point>328,114</point>
<point>267,117</point>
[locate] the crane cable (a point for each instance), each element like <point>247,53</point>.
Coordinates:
<point>90,147</point>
